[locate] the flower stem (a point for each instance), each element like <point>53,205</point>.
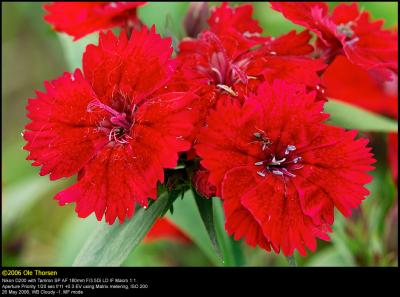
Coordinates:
<point>292,261</point>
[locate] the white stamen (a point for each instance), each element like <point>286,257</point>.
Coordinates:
<point>277,172</point>
<point>274,161</point>
<point>260,173</point>
<point>290,148</point>
<point>259,163</point>
<point>295,160</point>
<point>227,89</point>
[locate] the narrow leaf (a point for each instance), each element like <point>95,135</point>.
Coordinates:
<point>187,217</point>
<point>353,117</point>
<point>231,249</point>
<point>111,245</point>
<point>205,207</point>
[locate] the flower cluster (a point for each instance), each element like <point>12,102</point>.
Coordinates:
<point>241,112</point>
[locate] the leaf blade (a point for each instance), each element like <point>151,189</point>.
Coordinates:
<point>205,207</point>
<point>111,245</point>
<point>353,117</point>
<point>231,249</point>
<point>187,217</point>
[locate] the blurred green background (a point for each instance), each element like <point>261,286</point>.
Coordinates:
<point>38,232</point>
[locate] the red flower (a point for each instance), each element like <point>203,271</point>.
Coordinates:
<point>279,170</point>
<point>81,18</point>
<point>113,125</point>
<point>346,30</point>
<point>351,83</point>
<point>165,229</point>
<point>224,64</point>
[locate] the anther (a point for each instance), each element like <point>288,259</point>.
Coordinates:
<point>261,173</point>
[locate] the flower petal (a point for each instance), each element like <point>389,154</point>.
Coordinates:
<point>239,221</point>
<point>119,65</point>
<point>81,18</point>
<point>63,136</point>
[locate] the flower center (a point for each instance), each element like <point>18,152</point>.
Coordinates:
<point>222,71</point>
<point>282,164</point>
<point>118,125</point>
<point>347,31</point>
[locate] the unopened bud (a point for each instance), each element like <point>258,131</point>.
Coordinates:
<point>196,18</point>
<point>202,185</point>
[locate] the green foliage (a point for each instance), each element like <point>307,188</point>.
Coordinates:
<point>231,249</point>
<point>205,207</point>
<point>352,117</point>
<point>187,217</point>
<point>33,53</point>
<point>111,245</point>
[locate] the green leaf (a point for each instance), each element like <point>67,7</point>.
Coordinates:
<point>111,245</point>
<point>231,249</point>
<point>352,117</point>
<point>78,229</point>
<point>20,197</point>
<point>205,207</point>
<point>187,217</point>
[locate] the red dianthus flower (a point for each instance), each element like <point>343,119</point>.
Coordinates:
<point>279,170</point>
<point>81,18</point>
<point>229,61</point>
<point>347,30</point>
<point>114,125</point>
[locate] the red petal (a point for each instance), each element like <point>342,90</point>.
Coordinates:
<point>239,18</point>
<point>343,79</point>
<point>165,229</point>
<point>239,221</point>
<point>292,43</point>
<point>81,18</point>
<point>228,144</point>
<point>293,70</point>
<point>313,16</point>
<point>134,68</point>
<point>162,126</point>
<point>277,209</point>
<point>336,154</point>
<point>112,182</point>
<point>62,136</point>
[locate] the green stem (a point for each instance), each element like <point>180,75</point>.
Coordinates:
<point>292,261</point>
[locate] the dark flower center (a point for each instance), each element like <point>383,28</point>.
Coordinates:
<point>118,125</point>
<point>283,163</point>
